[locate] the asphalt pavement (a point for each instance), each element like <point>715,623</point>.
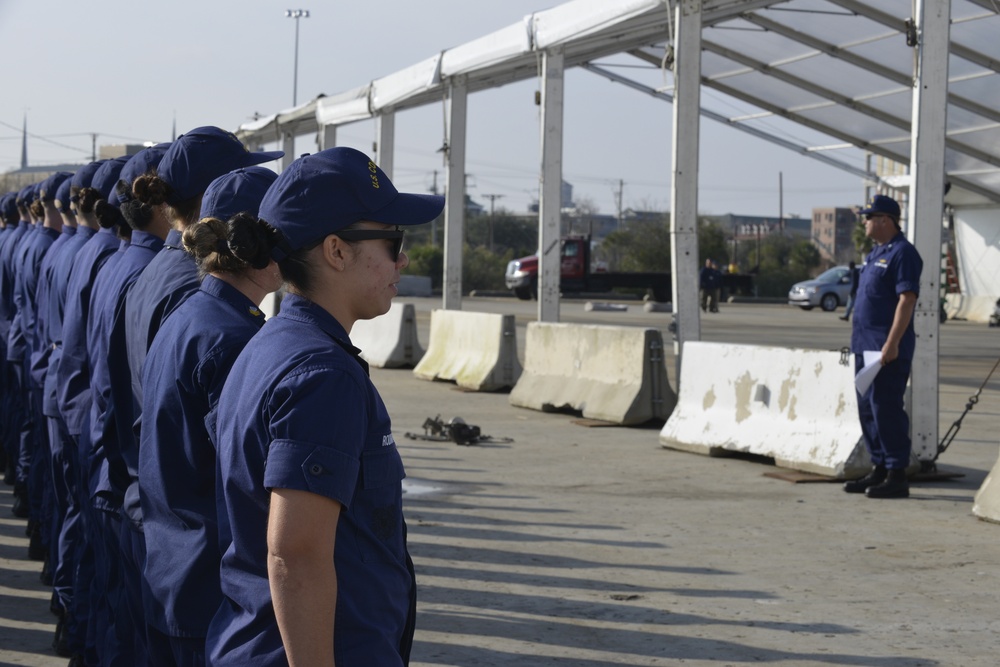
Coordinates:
<point>563,545</point>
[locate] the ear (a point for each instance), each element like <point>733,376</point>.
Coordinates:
<point>335,252</point>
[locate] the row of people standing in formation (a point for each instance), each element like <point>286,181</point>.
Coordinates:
<point>204,489</point>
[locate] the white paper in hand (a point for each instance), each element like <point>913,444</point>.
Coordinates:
<point>873,364</point>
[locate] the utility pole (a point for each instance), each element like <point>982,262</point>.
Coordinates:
<point>618,202</point>
<point>781,203</point>
<point>434,224</point>
<point>492,199</point>
<point>93,146</point>
<point>24,143</point>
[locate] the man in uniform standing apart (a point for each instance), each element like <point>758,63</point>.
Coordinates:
<point>710,284</point>
<point>883,321</point>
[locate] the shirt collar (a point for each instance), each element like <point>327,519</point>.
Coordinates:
<point>237,299</point>
<point>299,308</point>
<point>146,240</point>
<point>174,239</point>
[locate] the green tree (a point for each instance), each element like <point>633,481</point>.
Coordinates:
<point>426,260</point>
<point>644,245</point>
<point>784,262</point>
<point>712,243</point>
<point>481,269</point>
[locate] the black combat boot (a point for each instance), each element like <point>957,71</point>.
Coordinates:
<point>20,508</point>
<point>894,486</point>
<point>876,476</point>
<point>36,550</point>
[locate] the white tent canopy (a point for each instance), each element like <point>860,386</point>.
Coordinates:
<point>840,67</point>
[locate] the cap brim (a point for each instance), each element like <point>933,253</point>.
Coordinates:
<point>264,156</point>
<point>866,211</point>
<point>408,209</point>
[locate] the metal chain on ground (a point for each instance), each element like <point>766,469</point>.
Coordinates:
<point>953,430</point>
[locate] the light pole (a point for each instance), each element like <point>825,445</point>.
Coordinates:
<point>296,14</point>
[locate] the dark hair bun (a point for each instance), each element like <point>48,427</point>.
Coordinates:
<point>251,239</point>
<point>151,189</point>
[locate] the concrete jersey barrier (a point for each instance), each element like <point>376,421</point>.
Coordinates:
<point>477,351</point>
<point>987,502</point>
<point>615,374</point>
<point>389,341</point>
<point>797,406</point>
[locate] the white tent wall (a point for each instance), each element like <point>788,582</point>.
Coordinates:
<point>977,244</point>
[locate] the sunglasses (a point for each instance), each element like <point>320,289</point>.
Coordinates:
<point>394,235</point>
<point>873,216</point>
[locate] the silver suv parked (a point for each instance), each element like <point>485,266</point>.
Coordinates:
<point>828,290</point>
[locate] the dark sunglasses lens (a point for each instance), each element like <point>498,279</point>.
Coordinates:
<point>397,247</point>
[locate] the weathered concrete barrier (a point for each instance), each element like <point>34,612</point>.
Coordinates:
<point>987,503</point>
<point>797,406</point>
<point>971,308</point>
<point>390,340</point>
<point>615,374</point>
<point>477,351</point>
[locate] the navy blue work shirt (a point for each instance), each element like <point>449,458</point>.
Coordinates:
<point>183,376</point>
<point>299,412</point>
<point>166,283</point>
<point>112,414</point>
<point>39,344</point>
<point>889,270</point>
<point>73,374</point>
<point>28,264</point>
<point>103,300</point>
<point>170,278</point>
<point>55,310</point>
<point>7,277</point>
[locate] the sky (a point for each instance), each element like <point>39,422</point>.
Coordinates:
<point>127,70</point>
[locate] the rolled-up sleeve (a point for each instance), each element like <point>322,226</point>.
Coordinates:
<point>318,424</point>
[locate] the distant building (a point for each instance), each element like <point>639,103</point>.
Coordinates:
<point>833,234</point>
<point>749,227</point>
<point>16,179</point>
<point>111,151</point>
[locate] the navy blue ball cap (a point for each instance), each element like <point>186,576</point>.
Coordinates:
<point>322,193</point>
<point>84,176</point>
<point>107,177</point>
<point>24,195</point>
<point>200,156</point>
<point>239,191</point>
<point>8,206</point>
<point>47,190</point>
<point>881,204</point>
<point>63,195</point>
<point>145,161</point>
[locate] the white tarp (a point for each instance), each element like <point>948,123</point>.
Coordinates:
<point>977,243</point>
<point>573,20</point>
<point>399,86</point>
<point>346,107</point>
<point>489,50</point>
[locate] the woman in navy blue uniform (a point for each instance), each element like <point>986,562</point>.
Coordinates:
<point>183,376</point>
<point>82,630</point>
<point>316,566</point>
<point>194,160</point>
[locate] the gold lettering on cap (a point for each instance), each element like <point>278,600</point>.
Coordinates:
<point>374,173</point>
